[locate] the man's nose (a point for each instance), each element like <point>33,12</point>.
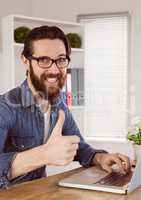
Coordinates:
<point>54,68</point>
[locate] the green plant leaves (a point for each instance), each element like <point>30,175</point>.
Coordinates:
<point>74,40</point>
<point>21,33</point>
<point>135,138</point>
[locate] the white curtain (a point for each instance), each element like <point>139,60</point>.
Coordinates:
<point>106,76</point>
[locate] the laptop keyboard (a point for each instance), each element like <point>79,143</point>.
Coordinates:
<point>115,179</point>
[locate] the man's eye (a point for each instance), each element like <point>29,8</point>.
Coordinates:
<point>44,60</point>
<point>62,60</point>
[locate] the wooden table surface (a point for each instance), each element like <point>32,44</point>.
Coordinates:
<point>47,189</point>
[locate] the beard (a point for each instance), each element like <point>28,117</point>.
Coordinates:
<point>49,93</point>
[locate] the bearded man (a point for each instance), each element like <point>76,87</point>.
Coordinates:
<point>36,127</point>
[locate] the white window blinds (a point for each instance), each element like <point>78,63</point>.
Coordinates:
<point>106,74</point>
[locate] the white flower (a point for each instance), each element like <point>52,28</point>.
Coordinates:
<point>135,121</point>
<point>133,130</point>
<point>139,125</point>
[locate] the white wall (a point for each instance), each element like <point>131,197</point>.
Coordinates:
<point>15,6</point>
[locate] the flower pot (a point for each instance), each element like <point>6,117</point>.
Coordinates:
<point>137,151</point>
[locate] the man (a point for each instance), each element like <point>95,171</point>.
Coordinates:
<point>36,127</point>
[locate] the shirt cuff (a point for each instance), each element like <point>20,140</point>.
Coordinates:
<point>97,151</point>
<point>8,158</point>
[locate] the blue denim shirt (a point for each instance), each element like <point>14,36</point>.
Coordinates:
<point>22,128</point>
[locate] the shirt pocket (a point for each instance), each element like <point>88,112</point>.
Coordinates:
<point>22,143</point>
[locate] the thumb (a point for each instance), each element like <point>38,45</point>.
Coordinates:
<point>59,124</point>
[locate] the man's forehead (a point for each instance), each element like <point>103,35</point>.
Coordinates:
<point>48,46</point>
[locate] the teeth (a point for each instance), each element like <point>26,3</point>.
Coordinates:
<point>52,80</point>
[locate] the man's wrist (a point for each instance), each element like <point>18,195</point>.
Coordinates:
<point>46,154</point>
<point>97,157</point>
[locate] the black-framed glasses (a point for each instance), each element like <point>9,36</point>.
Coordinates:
<point>46,62</point>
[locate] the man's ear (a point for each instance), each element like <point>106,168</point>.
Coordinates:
<point>25,62</point>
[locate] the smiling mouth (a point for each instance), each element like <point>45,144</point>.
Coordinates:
<point>52,80</point>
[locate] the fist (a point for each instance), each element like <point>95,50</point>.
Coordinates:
<point>59,149</point>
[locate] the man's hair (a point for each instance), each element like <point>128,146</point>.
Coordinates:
<point>44,32</point>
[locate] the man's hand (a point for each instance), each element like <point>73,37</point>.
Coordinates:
<point>107,160</point>
<point>60,150</point>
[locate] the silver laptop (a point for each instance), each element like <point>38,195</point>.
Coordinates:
<point>94,178</point>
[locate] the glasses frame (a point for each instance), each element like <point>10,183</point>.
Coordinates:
<point>52,61</point>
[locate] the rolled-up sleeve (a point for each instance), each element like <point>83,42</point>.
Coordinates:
<point>85,152</point>
<point>6,158</point>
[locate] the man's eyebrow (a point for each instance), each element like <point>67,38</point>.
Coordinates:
<point>61,55</point>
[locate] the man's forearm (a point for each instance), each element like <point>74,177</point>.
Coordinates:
<point>97,158</point>
<point>27,161</point>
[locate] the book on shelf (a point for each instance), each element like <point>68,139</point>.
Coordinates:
<point>80,86</point>
<point>69,88</point>
<point>64,91</point>
<point>77,86</point>
<point>73,91</point>
<point>74,85</point>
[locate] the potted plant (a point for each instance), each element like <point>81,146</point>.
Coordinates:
<point>134,135</point>
<point>20,33</point>
<point>74,40</point>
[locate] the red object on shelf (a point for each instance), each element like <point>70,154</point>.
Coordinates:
<point>69,89</point>
<point>69,98</point>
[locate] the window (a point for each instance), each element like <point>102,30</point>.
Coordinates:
<point>106,75</point>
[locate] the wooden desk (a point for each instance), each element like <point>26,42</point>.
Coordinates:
<point>47,189</point>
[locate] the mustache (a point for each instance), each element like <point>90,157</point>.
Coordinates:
<point>46,76</point>
<point>52,75</point>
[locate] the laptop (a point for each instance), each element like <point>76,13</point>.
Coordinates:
<point>94,178</point>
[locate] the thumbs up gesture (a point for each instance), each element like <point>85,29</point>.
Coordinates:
<point>59,149</point>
